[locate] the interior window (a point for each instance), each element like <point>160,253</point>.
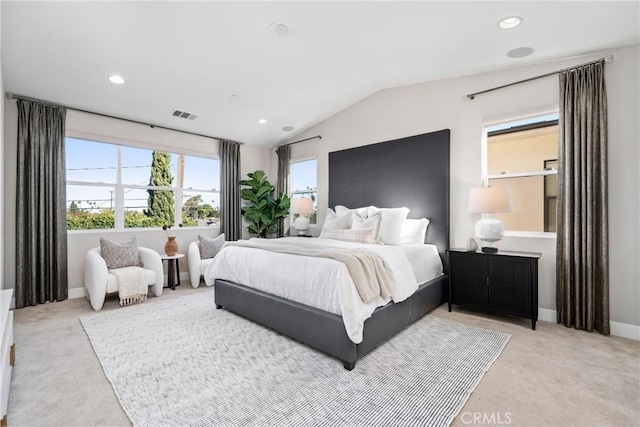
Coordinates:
<point>522,155</point>
<point>112,186</point>
<point>303,182</point>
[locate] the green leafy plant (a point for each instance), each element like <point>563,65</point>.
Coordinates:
<point>265,210</point>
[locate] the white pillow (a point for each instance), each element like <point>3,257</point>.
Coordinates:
<point>372,222</point>
<point>343,210</point>
<point>332,221</point>
<point>390,232</point>
<point>414,231</point>
<point>364,235</point>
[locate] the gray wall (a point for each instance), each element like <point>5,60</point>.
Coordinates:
<point>411,110</point>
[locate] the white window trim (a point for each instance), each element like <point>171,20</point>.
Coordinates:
<point>119,187</point>
<point>292,193</point>
<point>531,234</point>
<point>300,160</point>
<point>486,177</point>
<point>521,174</point>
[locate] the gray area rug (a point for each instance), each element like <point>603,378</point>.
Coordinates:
<point>182,362</point>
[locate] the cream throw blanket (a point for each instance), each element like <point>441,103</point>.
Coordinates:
<point>132,284</point>
<point>366,268</point>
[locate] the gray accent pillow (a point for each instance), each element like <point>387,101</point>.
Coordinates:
<point>118,255</point>
<point>210,247</point>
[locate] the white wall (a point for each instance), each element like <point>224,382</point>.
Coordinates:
<point>416,109</point>
<point>2,237</point>
<point>116,131</point>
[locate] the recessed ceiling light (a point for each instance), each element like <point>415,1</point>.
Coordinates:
<point>287,128</point>
<point>510,22</point>
<point>234,96</point>
<point>281,29</point>
<point>116,79</point>
<point>520,52</point>
<point>262,121</point>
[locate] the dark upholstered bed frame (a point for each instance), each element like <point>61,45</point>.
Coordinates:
<point>411,172</point>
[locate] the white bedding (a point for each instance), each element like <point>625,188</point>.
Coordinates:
<point>424,260</point>
<point>324,283</point>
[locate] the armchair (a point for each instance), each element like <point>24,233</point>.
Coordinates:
<point>196,265</point>
<point>99,281</point>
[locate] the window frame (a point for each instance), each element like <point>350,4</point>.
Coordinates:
<point>292,193</point>
<point>120,188</point>
<point>486,177</point>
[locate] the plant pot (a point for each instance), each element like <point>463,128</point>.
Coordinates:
<point>171,247</point>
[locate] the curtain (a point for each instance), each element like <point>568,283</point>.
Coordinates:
<point>582,258</point>
<point>41,213</point>
<point>282,186</point>
<point>230,214</point>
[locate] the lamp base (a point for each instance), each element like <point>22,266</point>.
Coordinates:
<point>488,232</point>
<point>489,250</point>
<point>302,225</point>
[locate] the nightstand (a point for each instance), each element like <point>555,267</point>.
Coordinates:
<point>503,282</point>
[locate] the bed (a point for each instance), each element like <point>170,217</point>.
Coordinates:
<point>411,172</point>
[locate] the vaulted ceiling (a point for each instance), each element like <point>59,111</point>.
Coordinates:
<point>291,63</point>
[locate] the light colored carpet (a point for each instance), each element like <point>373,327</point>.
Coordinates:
<point>211,367</point>
<point>554,376</point>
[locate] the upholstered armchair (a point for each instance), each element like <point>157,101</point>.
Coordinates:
<point>200,255</point>
<point>99,281</point>
<point>196,264</point>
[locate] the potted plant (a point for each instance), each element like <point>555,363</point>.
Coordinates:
<point>264,209</point>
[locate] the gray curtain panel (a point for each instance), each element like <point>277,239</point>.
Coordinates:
<point>230,214</point>
<point>582,258</point>
<point>41,212</point>
<point>282,186</point>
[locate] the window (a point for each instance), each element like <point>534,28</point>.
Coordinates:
<point>303,182</point>
<point>112,186</point>
<point>523,156</point>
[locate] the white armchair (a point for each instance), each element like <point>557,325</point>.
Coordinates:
<point>99,281</point>
<point>196,265</point>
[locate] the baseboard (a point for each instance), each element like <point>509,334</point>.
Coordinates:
<point>183,276</point>
<point>546,315</point>
<point>625,330</point>
<point>618,329</point>
<point>77,293</point>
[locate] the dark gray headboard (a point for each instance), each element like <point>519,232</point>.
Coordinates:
<point>411,172</point>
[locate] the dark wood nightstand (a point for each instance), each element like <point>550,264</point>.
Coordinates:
<point>502,282</point>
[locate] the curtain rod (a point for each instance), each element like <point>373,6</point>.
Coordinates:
<point>26,98</point>
<point>302,140</point>
<point>608,58</point>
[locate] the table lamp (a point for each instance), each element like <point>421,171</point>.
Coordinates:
<point>301,206</point>
<point>488,201</point>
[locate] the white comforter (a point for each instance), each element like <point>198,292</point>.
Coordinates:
<point>317,282</point>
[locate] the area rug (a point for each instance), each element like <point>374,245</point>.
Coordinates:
<point>182,362</point>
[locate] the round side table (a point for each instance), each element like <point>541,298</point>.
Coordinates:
<point>173,270</point>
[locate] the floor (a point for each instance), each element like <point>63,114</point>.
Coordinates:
<point>554,376</point>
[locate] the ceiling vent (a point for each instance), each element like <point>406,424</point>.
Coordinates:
<point>184,115</point>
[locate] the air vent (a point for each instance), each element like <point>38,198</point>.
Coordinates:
<point>184,115</point>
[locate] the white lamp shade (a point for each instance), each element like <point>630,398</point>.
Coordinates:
<point>490,200</point>
<point>301,206</point>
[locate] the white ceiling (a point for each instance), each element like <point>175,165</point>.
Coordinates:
<point>194,56</point>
